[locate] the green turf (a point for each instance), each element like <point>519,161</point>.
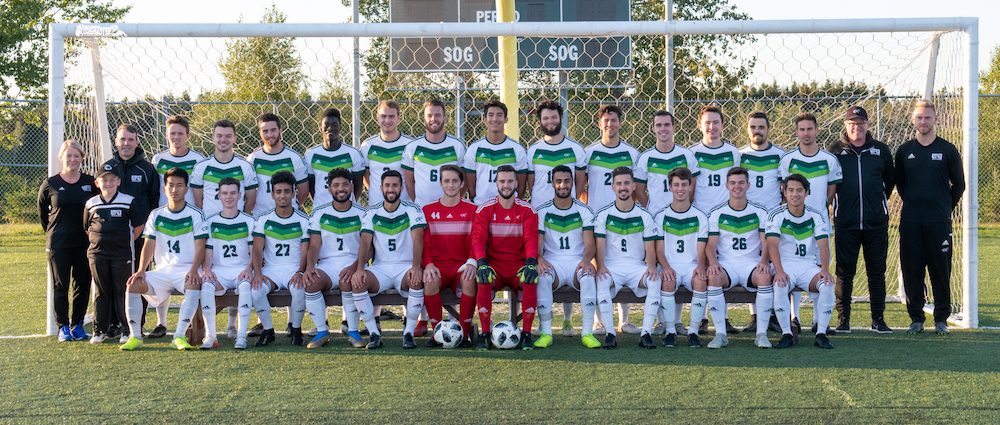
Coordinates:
<point>895,378</point>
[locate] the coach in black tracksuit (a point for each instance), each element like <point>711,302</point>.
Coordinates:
<point>861,216</point>
<point>930,181</point>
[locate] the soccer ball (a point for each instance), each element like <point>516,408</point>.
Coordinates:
<point>506,335</point>
<point>448,333</point>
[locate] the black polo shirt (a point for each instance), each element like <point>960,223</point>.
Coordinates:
<point>110,225</point>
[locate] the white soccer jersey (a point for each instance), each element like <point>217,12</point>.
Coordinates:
<point>340,230</point>
<point>714,164</point>
<point>562,230</point>
<point>164,161</point>
<point>765,179</point>
<point>391,232</point>
<point>738,231</point>
<point>601,160</point>
<point>265,165</point>
<point>425,160</point>
<point>821,169</point>
<point>174,233</point>
<point>682,230</point>
<point>653,167</point>
<point>283,237</point>
<point>799,235</point>
<point>624,233</point>
<point>206,177</point>
<point>321,161</point>
<point>381,156</point>
<point>543,157</point>
<point>482,158</point>
<point>230,240</point>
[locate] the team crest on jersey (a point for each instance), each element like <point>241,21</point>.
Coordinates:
<point>116,213</point>
<point>136,178</point>
<point>937,156</point>
<point>85,188</point>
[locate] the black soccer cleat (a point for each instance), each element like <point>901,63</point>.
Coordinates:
<point>408,342</point>
<point>266,337</point>
<point>670,340</point>
<point>703,327</point>
<point>374,342</point>
<point>296,335</point>
<point>751,328</point>
<point>694,341</point>
<point>432,343</point>
<point>772,324</point>
<point>823,342</point>
<point>484,342</point>
<point>288,330</point>
<point>796,329</point>
<point>786,341</point>
<point>730,329</point>
<point>646,341</point>
<point>159,332</point>
<point>256,330</point>
<point>879,326</point>
<point>526,342</point>
<point>610,342</point>
<point>466,343</point>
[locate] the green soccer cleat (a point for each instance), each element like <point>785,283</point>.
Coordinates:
<point>181,343</point>
<point>543,341</point>
<point>590,341</point>
<point>131,344</point>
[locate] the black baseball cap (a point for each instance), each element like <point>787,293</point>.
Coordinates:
<point>106,169</point>
<point>856,112</point>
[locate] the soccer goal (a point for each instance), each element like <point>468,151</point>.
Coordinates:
<point>104,75</point>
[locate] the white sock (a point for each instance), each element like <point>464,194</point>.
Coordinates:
<point>133,309</point>
<point>245,306</point>
<point>717,307</point>
<point>414,303</point>
<point>208,308</point>
<point>796,302</point>
<point>667,307</point>
<point>623,310</point>
<point>262,306</point>
<point>824,308</point>
<point>782,306</point>
<point>297,309</point>
<point>604,304</point>
<point>753,309</point>
<point>814,297</point>
<point>765,305</point>
<point>544,309</point>
<point>650,308</point>
<point>188,307</point>
<point>316,306</point>
<point>363,301</point>
<point>699,300</point>
<point>423,315</point>
<point>234,314</point>
<point>678,310</point>
<point>350,310</point>
<point>588,302</point>
<point>161,311</point>
<point>567,311</point>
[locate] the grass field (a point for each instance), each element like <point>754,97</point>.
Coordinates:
<point>894,378</point>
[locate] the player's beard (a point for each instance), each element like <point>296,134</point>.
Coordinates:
<point>759,140</point>
<point>554,130</point>
<point>624,195</point>
<point>342,196</point>
<point>506,193</point>
<point>561,194</point>
<point>390,197</point>
<point>434,128</point>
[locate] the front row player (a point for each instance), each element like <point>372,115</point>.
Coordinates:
<point>176,243</point>
<point>505,244</point>
<point>798,239</point>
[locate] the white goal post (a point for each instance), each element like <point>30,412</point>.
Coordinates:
<point>966,28</point>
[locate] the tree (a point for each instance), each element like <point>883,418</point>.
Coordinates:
<point>263,68</point>
<point>989,133</point>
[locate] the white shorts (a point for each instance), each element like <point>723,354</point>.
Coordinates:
<point>332,268</point>
<point>685,272</point>
<point>565,270</point>
<point>630,276</point>
<point>800,273</point>
<point>163,280</point>
<point>228,278</point>
<point>280,275</point>
<point>390,276</point>
<point>739,272</point>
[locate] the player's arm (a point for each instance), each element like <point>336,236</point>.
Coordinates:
<point>199,195</point>
<point>298,279</point>
<point>522,180</point>
<point>145,258</point>
<point>415,273</point>
<point>668,274</point>
<point>900,174</point>
<point>302,192</point>
<point>544,268</point>
<point>529,182</point>
<point>711,255</point>
<point>312,257</point>
<point>599,257</point>
<point>431,272</point>
<point>765,256</point>
<point>581,184</point>
<point>589,250</point>
<point>408,178</point>
<point>249,200</point>
<point>257,261</point>
<point>193,277</point>
<point>470,184</point>
<point>824,260</point>
<point>641,195</point>
<point>651,273</point>
<point>700,272</point>
<point>367,179</point>
<point>206,266</point>
<point>831,190</point>
<point>780,277</point>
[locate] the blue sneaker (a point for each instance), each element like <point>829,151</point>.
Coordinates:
<point>64,334</point>
<point>78,333</point>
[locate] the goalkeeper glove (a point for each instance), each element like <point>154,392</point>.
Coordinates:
<point>528,273</point>
<point>485,273</point>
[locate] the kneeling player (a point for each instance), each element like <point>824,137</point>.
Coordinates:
<point>227,260</point>
<point>626,255</point>
<point>681,255</point>
<point>566,248</point>
<point>334,237</point>
<point>737,256</point>
<point>280,240</point>
<point>176,238</point>
<point>505,242</point>
<point>798,237</point>
<point>396,228</point>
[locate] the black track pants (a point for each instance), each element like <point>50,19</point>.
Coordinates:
<point>926,247</point>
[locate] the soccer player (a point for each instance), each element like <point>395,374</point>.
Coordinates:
<point>228,261</point>
<point>737,256</point>
<point>655,164</point>
<point>223,163</point>
<point>384,151</point>
<point>715,157</point>
<point>333,153</point>
<point>396,229</point>
<point>505,245</point>
<point>280,242</point>
<point>177,236</point>
<point>273,157</point>
<point>493,150</point>
<point>424,156</point>
<point>566,248</point>
<point>332,263</point>
<point>177,155</point>
<point>930,182</point>
<point>447,258</point>
<point>626,255</point>
<point>798,237</point>
<point>681,255</point>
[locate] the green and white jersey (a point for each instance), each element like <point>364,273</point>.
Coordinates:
<point>425,160</point>
<point>765,179</point>
<point>482,158</point>
<point>340,230</point>
<point>652,169</point>
<point>822,169</point>
<point>562,230</point>
<point>738,231</point>
<point>174,233</point>
<point>624,234</point>
<point>230,240</point>
<point>682,230</point>
<point>798,235</point>
<point>601,160</point>
<point>543,157</point>
<point>283,237</point>
<point>265,165</point>
<point>206,177</point>
<point>321,161</point>
<point>714,164</point>
<point>164,161</point>
<point>381,156</point>
<point>391,232</point>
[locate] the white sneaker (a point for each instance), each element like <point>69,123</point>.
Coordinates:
<point>97,338</point>
<point>762,341</point>
<point>241,343</point>
<point>209,343</point>
<point>568,329</point>
<point>629,328</point>
<point>659,329</point>
<point>123,339</point>
<point>599,329</point>
<point>231,331</point>
<point>719,341</point>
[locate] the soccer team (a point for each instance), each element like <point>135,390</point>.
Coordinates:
<point>443,215</point>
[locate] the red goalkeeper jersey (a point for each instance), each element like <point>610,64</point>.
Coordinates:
<point>447,241</point>
<point>505,237</point>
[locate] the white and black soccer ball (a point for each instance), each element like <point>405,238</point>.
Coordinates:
<point>506,335</point>
<point>448,333</point>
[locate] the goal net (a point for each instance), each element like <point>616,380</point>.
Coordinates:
<point>143,74</point>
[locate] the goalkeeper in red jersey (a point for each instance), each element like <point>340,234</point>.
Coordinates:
<point>505,244</point>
